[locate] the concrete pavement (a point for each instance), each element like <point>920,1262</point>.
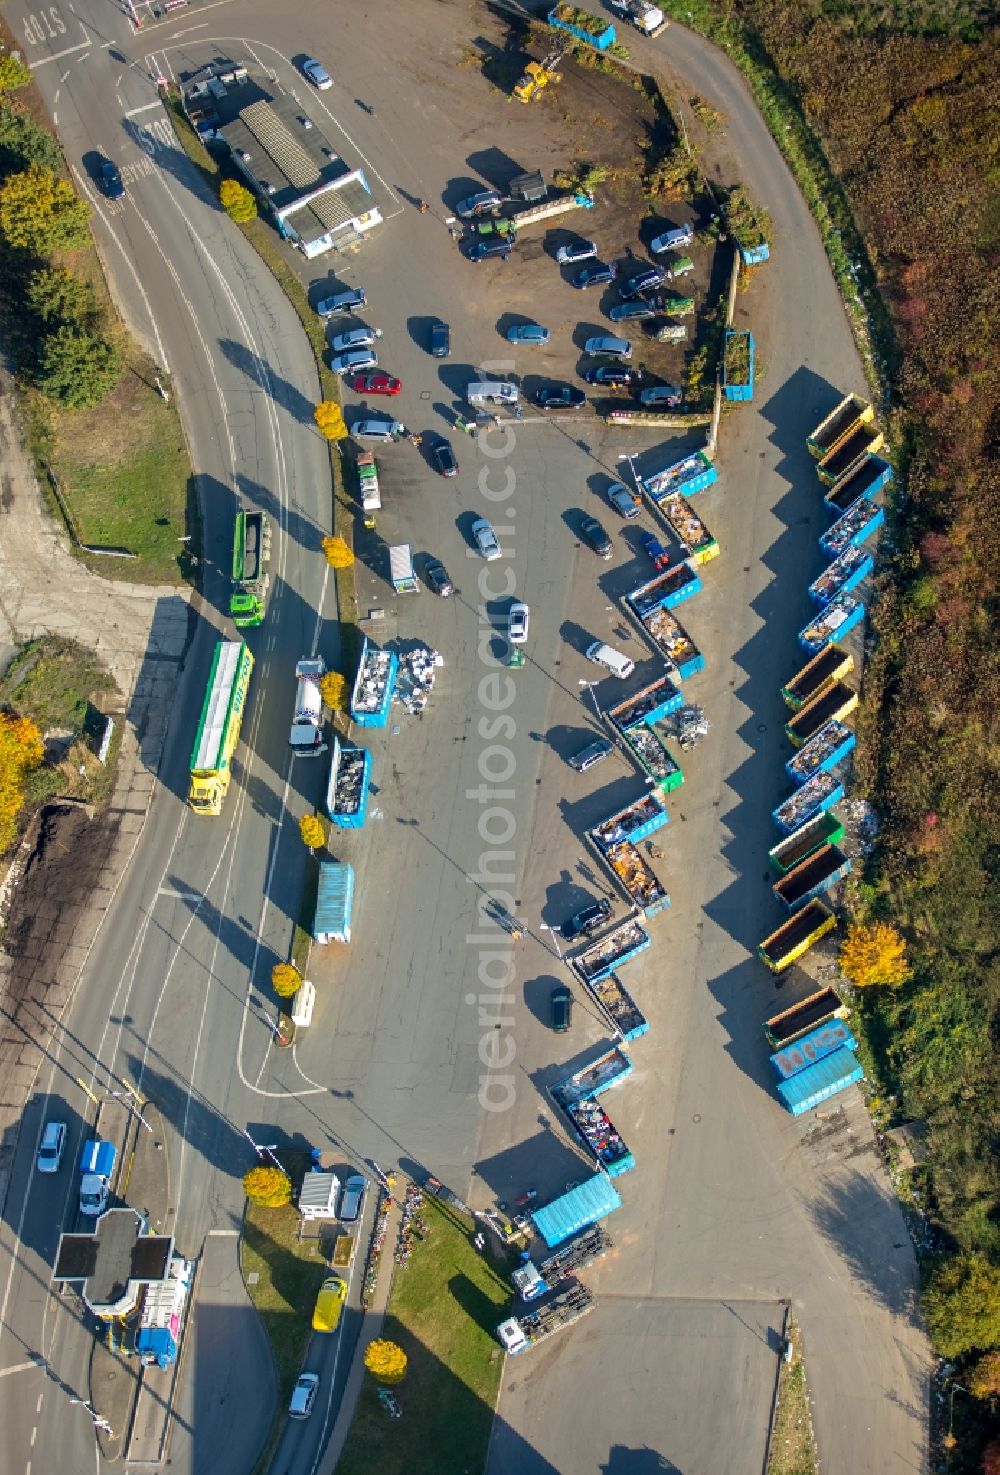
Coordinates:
<point>399,1076</point>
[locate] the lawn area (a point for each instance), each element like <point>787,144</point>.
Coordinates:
<point>56,682</point>
<point>444,1308</point>
<point>792,1451</point>
<point>123,471</point>
<point>289,1273</point>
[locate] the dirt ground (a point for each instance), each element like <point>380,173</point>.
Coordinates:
<point>66,865</point>
<point>615,119</point>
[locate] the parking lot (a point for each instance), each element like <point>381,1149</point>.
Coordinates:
<point>729,1198</point>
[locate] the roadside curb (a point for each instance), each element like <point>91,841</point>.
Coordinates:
<point>371,1328</point>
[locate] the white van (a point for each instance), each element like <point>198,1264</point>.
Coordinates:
<point>492,392</point>
<point>612,660</point>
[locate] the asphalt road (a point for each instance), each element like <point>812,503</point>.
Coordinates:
<point>166,1000</point>
<point>393,1064</point>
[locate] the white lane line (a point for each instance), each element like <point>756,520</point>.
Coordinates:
<point>84,186</point>
<point>147,107</point>
<point>19,1367</point>
<point>38,1405</point>
<point>180,893</point>
<point>34,1436</point>
<point>58,55</point>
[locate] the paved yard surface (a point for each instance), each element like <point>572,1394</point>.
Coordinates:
<point>627,1392</point>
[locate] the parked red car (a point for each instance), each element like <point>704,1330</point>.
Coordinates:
<point>376,384</point>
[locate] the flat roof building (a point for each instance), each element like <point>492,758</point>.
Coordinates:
<point>316,200</point>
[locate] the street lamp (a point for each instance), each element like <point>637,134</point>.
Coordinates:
<point>95,1418</point>
<point>590,687</point>
<point>545,927</point>
<point>263,1150</point>
<point>630,458</point>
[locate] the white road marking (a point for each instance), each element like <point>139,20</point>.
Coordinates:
<point>146,107</point>
<point>19,1367</point>
<point>58,55</point>
<point>84,186</point>
<point>223,1234</point>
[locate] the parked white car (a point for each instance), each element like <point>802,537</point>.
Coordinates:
<point>518,619</point>
<point>486,539</point>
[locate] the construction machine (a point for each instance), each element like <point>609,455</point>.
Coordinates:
<point>537,75</point>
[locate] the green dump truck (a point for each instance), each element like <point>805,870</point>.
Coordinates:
<point>251,551</point>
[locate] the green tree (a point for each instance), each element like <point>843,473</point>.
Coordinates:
<point>23,142</point>
<point>267,1186</point>
<point>77,369</point>
<point>41,213</point>
<point>237,201</point>
<point>59,296</point>
<point>962,1303</point>
<point>286,980</point>
<point>13,73</point>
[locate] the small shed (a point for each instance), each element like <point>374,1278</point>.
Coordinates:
<point>530,188</point>
<point>318,1195</point>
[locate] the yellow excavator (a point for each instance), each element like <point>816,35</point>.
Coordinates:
<point>537,75</point>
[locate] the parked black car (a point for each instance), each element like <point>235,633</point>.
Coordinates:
<point>437,577</point>
<point>588,920</point>
<point>595,537</point>
<point>562,1008</point>
<point>559,397</point>
<point>440,340</point>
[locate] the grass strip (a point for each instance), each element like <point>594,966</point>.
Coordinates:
<point>822,191</point>
<point>792,1449</point>
<point>289,1272</point>
<point>443,1311</point>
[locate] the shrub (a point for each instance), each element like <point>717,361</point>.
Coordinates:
<point>338,555</point>
<point>13,73</point>
<point>58,296</point>
<point>312,830</point>
<point>237,201</point>
<point>386,1361</point>
<point>77,369</point>
<point>40,213</point>
<point>874,954</point>
<point>962,1302</point>
<point>267,1186</point>
<point>23,142</point>
<point>286,980</point>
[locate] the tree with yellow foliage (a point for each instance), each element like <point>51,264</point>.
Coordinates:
<point>338,555</point>
<point>386,1361</point>
<point>329,418</point>
<point>237,201</point>
<point>286,980</point>
<point>873,953</point>
<point>333,689</point>
<point>312,830</point>
<point>41,213</point>
<point>267,1186</point>
<point>21,751</point>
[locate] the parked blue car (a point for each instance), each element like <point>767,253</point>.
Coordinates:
<point>532,333</point>
<point>595,276</point>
